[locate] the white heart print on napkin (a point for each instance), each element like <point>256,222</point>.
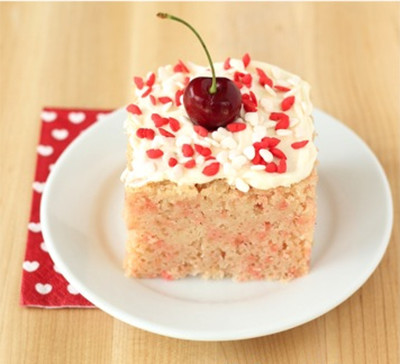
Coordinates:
<point>38,186</point>
<point>45,150</point>
<point>60,134</point>
<point>76,117</point>
<point>71,289</point>
<point>34,227</point>
<point>48,116</point>
<point>43,288</point>
<point>30,266</point>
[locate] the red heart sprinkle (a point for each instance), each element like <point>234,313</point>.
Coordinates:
<point>154,153</point>
<point>181,67</point>
<point>281,88</point>
<point>235,127</point>
<point>282,166</point>
<point>204,151</point>
<point>153,100</point>
<point>299,145</point>
<point>150,81</point>
<point>178,95</point>
<point>246,60</point>
<point>270,142</point>
<point>248,103</point>
<point>166,133</point>
<point>263,78</point>
<point>187,150</point>
<point>158,120</point>
<point>287,103</point>
<point>212,169</point>
<point>134,109</point>
<point>190,164</point>
<point>283,124</point>
<point>147,92</point>
<point>200,130</point>
<point>172,162</point>
<point>174,124</point>
<point>253,98</point>
<point>144,133</point>
<point>227,64</point>
<point>277,153</point>
<point>164,99</point>
<point>247,80</point>
<point>281,118</point>
<point>138,82</point>
<point>271,167</point>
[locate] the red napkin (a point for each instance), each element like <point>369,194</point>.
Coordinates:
<point>42,285</point>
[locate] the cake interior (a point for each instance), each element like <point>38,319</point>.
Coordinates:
<point>213,230</point>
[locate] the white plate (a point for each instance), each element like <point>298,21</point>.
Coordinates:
<point>81,216</point>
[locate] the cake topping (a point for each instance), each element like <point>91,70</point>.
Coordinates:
<point>210,102</point>
<point>268,144</point>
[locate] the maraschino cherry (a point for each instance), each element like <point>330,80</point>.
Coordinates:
<point>209,101</point>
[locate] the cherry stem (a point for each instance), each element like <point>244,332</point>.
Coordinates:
<point>213,87</point>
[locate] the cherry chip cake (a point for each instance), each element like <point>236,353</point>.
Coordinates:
<point>238,201</point>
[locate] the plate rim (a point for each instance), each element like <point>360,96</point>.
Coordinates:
<point>204,336</point>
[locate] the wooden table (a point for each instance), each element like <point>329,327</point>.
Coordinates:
<point>84,54</point>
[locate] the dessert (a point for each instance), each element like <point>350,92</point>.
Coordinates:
<point>233,199</point>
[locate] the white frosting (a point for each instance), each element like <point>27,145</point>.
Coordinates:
<point>233,150</point>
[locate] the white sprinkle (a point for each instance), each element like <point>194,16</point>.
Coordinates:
<point>210,141</point>
<point>241,185</point>
<point>257,167</point>
<point>239,161</point>
<point>283,132</point>
<point>223,131</point>
<point>270,90</point>
<point>251,117</point>
<point>177,171</point>
<point>249,152</point>
<point>222,157</point>
<point>217,136</point>
<point>266,155</point>
<point>229,143</point>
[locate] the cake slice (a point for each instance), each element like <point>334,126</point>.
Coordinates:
<point>238,201</point>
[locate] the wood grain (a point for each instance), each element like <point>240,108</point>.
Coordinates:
<point>84,54</point>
